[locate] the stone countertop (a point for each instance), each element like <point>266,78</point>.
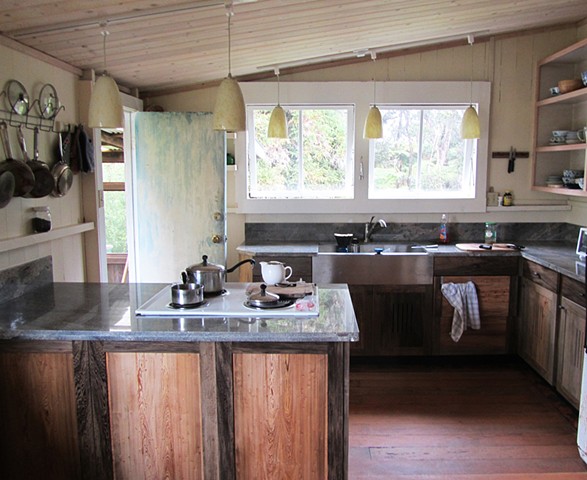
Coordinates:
<point>558,256</point>
<point>105,312</point>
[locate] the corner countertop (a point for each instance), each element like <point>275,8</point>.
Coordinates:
<point>558,256</point>
<point>105,312</point>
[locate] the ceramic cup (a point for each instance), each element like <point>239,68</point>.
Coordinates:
<point>582,134</point>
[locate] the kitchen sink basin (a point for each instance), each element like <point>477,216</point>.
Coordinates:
<point>376,249</point>
<point>376,264</point>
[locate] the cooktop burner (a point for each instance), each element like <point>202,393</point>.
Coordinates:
<point>179,306</point>
<point>269,305</point>
<point>229,304</point>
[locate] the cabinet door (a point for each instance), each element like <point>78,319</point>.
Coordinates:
<point>155,415</point>
<point>38,426</point>
<point>571,341</point>
<point>362,297</point>
<point>398,324</point>
<point>536,341</point>
<point>493,293</point>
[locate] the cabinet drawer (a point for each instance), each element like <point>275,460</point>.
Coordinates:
<point>545,277</point>
<point>573,290</point>
<point>476,265</point>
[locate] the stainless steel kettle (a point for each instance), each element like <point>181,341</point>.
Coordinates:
<point>211,275</point>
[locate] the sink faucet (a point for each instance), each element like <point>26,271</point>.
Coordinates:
<point>371,226</point>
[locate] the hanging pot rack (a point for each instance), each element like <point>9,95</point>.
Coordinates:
<point>16,111</point>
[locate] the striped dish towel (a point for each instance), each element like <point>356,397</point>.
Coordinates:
<point>463,298</point>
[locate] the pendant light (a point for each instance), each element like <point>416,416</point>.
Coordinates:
<point>105,109</point>
<point>470,127</point>
<point>277,124</point>
<point>373,124</point>
<point>229,109</point>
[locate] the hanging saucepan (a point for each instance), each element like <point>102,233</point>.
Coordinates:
<point>24,180</point>
<point>6,188</point>
<point>211,275</point>
<point>44,181</point>
<point>61,172</point>
<point>263,298</point>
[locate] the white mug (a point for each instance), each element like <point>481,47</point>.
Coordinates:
<point>275,272</point>
<point>582,134</point>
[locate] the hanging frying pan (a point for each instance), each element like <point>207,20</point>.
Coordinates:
<point>61,172</point>
<point>24,180</point>
<point>6,188</point>
<point>44,181</point>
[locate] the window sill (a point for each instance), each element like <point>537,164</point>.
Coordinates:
<point>531,208</point>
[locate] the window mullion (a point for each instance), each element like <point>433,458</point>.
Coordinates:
<point>420,142</point>
<point>301,186</point>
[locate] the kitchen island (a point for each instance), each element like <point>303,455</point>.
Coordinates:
<point>91,390</point>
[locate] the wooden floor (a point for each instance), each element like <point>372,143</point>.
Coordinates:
<point>459,418</point>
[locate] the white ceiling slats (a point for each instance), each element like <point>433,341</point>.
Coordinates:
<point>161,44</point>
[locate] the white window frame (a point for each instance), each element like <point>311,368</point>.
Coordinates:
<point>361,95</point>
<point>468,170</point>
<point>349,147</point>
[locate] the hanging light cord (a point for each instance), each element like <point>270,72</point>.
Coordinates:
<point>229,13</point>
<point>277,75</point>
<point>105,33</point>
<point>373,57</point>
<point>471,40</point>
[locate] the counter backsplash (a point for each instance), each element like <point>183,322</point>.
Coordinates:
<point>25,278</point>
<point>266,233</point>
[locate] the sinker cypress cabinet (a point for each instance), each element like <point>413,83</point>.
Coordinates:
<point>495,279</point>
<point>393,319</point>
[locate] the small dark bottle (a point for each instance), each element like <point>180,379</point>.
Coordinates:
<point>41,220</point>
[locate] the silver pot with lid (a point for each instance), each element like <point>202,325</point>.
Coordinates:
<point>263,298</point>
<point>211,275</point>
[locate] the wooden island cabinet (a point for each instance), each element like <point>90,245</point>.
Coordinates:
<point>217,398</point>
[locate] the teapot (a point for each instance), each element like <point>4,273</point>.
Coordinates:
<point>274,272</point>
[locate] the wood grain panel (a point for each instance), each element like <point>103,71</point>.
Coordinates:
<point>280,411</point>
<point>155,415</point>
<point>38,428</point>
<point>493,293</point>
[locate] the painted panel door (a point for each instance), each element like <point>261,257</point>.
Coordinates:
<point>178,194</point>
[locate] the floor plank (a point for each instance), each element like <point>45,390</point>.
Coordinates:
<point>459,418</point>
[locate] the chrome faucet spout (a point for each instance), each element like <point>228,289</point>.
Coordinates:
<point>371,226</point>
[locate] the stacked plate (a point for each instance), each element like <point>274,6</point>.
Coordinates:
<point>554,181</point>
<point>572,138</point>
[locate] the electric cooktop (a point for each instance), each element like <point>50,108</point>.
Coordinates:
<point>231,303</point>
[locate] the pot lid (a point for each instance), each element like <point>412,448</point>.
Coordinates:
<point>263,297</point>
<point>205,266</point>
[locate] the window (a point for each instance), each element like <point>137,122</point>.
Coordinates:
<point>438,172</point>
<point>422,155</point>
<point>316,162</point>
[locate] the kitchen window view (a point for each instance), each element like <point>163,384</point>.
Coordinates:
<point>314,162</point>
<point>422,154</point>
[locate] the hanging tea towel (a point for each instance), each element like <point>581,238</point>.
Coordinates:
<point>463,298</point>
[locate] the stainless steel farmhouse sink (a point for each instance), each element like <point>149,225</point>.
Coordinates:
<point>375,264</point>
<point>376,248</point>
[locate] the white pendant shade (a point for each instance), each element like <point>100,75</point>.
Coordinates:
<point>373,124</point>
<point>470,127</point>
<point>277,124</point>
<point>105,104</point>
<point>229,110</point>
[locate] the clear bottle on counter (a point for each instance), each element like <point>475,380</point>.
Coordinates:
<point>41,219</point>
<point>490,232</point>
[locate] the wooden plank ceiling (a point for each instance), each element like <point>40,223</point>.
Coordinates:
<point>158,45</point>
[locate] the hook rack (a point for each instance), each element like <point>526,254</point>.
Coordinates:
<point>28,120</point>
